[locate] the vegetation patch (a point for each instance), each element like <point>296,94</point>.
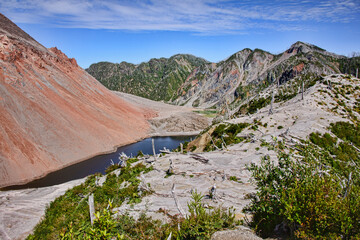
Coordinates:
<point>349,65</point>
<point>314,190</point>
<point>285,92</point>
<point>225,134</point>
<point>71,210</point>
<point>211,113</point>
<point>344,106</point>
<point>254,105</point>
<point>68,216</point>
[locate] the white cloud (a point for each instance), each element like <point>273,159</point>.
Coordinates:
<point>201,16</point>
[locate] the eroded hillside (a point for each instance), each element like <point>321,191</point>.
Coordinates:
<point>52,112</point>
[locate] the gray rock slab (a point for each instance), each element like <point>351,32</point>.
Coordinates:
<point>21,210</point>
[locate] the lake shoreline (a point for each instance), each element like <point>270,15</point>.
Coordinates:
<point>114,149</point>
<point>82,161</point>
<point>175,134</point>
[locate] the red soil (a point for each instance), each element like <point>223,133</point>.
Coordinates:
<point>53,113</point>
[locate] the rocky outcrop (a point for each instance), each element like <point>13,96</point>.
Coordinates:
<point>249,70</point>
<point>53,113</point>
<point>22,209</point>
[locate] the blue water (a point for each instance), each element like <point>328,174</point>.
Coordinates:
<point>99,163</point>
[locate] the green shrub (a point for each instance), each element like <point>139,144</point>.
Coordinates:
<point>346,154</point>
<point>104,225</point>
<point>139,154</point>
<point>233,178</point>
<point>112,167</point>
<point>346,131</point>
<point>70,212</point>
<point>202,223</point>
<point>284,97</point>
<point>254,127</point>
<point>234,129</point>
<point>306,195</point>
<point>219,131</point>
<point>259,103</point>
<point>325,141</point>
<point>199,224</point>
<point>225,134</point>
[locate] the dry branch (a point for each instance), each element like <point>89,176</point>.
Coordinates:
<point>181,211</point>
<point>153,148</point>
<point>213,141</point>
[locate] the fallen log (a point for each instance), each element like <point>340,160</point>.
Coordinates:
<point>200,158</point>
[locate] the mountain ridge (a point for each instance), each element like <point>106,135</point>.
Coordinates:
<point>243,73</point>
<point>251,69</point>
<point>166,75</point>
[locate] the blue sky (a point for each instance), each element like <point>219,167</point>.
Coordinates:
<point>135,30</point>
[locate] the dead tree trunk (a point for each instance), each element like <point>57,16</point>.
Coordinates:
<point>271,104</point>
<point>213,141</point>
<point>302,90</point>
<point>329,85</point>
<point>348,187</point>
<point>228,110</point>
<point>170,171</point>
<point>357,70</point>
<point>212,192</point>
<point>181,148</point>
<point>91,208</point>
<point>153,148</point>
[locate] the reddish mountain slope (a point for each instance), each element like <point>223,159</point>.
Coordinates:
<point>52,113</point>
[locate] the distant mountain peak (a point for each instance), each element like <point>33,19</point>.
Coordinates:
<point>302,47</point>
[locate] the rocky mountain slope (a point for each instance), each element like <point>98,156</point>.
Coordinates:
<point>246,72</point>
<point>52,112</point>
<point>158,79</point>
<point>242,75</point>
